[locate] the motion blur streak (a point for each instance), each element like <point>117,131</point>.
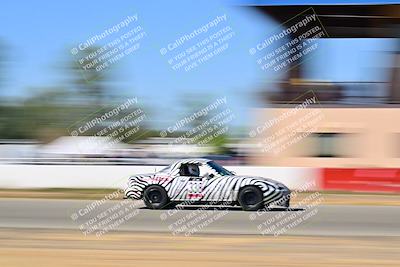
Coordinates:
<point>301,92</point>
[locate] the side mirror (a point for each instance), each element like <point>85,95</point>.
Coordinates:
<point>207,175</point>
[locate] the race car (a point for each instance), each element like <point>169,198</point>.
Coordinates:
<point>205,182</point>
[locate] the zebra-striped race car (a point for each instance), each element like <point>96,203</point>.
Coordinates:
<point>203,181</point>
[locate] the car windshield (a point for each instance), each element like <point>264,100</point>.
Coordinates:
<point>221,170</point>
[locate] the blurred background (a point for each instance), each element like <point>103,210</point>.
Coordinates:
<point>304,92</point>
<point>354,74</point>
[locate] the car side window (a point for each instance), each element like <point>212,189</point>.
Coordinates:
<point>189,170</point>
<point>205,170</point>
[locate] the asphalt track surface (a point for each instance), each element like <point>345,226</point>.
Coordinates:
<point>84,215</point>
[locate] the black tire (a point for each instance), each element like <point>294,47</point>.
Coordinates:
<point>251,198</point>
<point>171,205</point>
<point>155,197</point>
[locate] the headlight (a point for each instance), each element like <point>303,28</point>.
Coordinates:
<point>281,186</point>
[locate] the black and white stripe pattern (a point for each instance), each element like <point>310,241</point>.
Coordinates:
<point>217,188</point>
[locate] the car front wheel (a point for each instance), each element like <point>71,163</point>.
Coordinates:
<point>251,198</point>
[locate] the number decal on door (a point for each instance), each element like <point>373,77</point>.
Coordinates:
<point>195,189</point>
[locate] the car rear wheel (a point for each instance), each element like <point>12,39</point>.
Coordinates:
<point>155,197</point>
<point>251,198</point>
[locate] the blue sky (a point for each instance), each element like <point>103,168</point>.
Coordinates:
<point>310,2</point>
<point>39,35</point>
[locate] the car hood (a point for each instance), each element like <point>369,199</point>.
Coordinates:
<point>257,177</point>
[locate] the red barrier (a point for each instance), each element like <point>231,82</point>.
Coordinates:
<point>372,180</point>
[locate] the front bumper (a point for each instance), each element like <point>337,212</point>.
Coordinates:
<point>284,201</point>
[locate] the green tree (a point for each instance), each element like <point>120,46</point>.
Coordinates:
<point>194,105</point>
<point>88,78</point>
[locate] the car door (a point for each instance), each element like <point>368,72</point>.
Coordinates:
<point>219,184</point>
<point>217,189</point>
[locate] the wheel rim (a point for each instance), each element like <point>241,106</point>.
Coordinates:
<point>250,198</point>
<point>155,196</point>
